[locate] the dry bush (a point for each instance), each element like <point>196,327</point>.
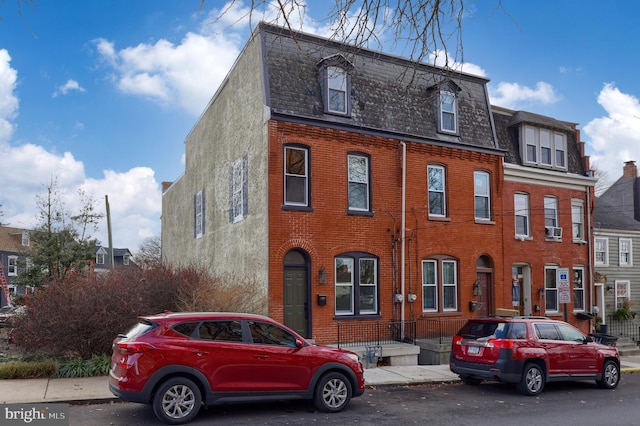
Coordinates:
<point>200,291</point>
<point>80,317</point>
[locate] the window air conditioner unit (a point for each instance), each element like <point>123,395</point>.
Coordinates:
<point>553,232</point>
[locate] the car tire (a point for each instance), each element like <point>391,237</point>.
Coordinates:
<point>472,381</point>
<point>333,392</point>
<point>532,380</point>
<point>610,375</point>
<point>177,401</point>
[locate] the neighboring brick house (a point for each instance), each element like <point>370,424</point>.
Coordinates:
<point>14,242</point>
<point>548,194</point>
<point>355,186</point>
<point>617,233</point>
<point>102,261</point>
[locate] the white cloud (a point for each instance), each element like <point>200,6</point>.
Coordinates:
<point>441,58</point>
<point>614,137</point>
<point>515,96</point>
<point>134,196</point>
<point>70,85</point>
<point>8,100</point>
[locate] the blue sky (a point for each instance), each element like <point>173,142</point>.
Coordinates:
<point>101,95</point>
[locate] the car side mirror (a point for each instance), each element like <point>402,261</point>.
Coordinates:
<point>299,343</point>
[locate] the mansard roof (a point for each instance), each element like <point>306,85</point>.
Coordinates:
<point>390,96</point>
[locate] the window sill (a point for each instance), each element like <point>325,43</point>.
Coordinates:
<point>484,221</point>
<point>553,240</point>
<point>355,317</point>
<point>297,208</point>
<point>439,218</point>
<point>523,238</point>
<point>359,213</point>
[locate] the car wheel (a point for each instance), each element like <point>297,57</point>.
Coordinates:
<point>610,375</point>
<point>333,392</point>
<point>532,380</point>
<point>177,401</point>
<point>468,380</point>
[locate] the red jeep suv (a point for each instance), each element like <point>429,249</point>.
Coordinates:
<point>181,361</point>
<point>530,351</point>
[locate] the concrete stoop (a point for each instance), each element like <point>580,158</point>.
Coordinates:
<point>627,347</point>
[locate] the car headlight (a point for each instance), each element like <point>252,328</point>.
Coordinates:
<point>352,357</point>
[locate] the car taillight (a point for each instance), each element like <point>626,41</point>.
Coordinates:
<point>134,347</point>
<point>502,343</point>
<point>457,340</point>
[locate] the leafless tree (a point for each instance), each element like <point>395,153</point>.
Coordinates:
<point>149,252</point>
<point>421,28</point>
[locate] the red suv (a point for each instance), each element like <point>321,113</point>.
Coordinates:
<point>530,351</point>
<point>181,361</point>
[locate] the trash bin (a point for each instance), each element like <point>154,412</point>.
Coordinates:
<point>604,329</point>
<point>605,339</point>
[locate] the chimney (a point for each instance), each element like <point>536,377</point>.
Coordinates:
<point>630,170</point>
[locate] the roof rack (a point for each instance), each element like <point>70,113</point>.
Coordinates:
<point>531,317</point>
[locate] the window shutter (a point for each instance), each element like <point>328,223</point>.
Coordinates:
<point>195,215</point>
<point>245,185</point>
<point>202,205</point>
<point>231,194</point>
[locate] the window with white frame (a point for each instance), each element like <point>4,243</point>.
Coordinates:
<point>481,189</point>
<point>439,285</point>
<point>601,251</point>
<point>551,288</point>
<point>551,212</point>
<point>544,147</point>
<point>198,214</point>
<point>238,190</point>
<point>448,112</point>
<point>337,90</point>
<point>356,284</point>
<point>622,293</point>
<point>359,182</point>
<point>296,176</point>
<point>26,240</point>
<point>559,145</point>
<point>626,251</point>
<point>125,259</point>
<point>99,258</point>
<point>437,190</point>
<point>12,269</point>
<point>578,288</point>
<point>521,210</point>
<point>577,220</point>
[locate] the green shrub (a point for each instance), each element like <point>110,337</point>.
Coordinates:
<point>96,366</point>
<point>27,369</point>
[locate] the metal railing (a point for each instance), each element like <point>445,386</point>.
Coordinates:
<point>627,328</point>
<point>389,332</point>
<point>441,330</point>
<point>376,333</point>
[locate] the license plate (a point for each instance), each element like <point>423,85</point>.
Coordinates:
<point>473,350</point>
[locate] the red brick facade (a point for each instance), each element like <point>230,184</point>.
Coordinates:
<point>328,230</point>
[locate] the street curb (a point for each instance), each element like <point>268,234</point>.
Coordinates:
<point>630,370</point>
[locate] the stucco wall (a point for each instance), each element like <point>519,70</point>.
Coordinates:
<point>230,128</point>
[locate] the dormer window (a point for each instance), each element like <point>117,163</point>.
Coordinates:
<point>336,85</point>
<point>25,239</point>
<point>448,112</point>
<point>545,147</point>
<point>444,96</point>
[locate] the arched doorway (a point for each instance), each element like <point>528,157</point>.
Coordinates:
<point>296,292</point>
<point>484,289</point>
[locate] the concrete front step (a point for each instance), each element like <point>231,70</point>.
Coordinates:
<point>627,347</point>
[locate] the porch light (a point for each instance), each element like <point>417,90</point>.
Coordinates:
<point>322,275</point>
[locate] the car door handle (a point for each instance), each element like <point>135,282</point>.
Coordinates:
<point>262,356</point>
<point>200,353</point>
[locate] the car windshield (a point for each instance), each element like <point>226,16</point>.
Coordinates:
<point>484,329</point>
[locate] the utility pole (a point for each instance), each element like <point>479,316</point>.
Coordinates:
<point>106,199</point>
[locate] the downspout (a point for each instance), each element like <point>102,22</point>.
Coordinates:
<point>402,232</point>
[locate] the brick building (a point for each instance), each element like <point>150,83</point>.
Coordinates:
<point>356,187</point>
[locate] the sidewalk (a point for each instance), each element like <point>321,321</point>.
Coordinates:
<point>96,389</point>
